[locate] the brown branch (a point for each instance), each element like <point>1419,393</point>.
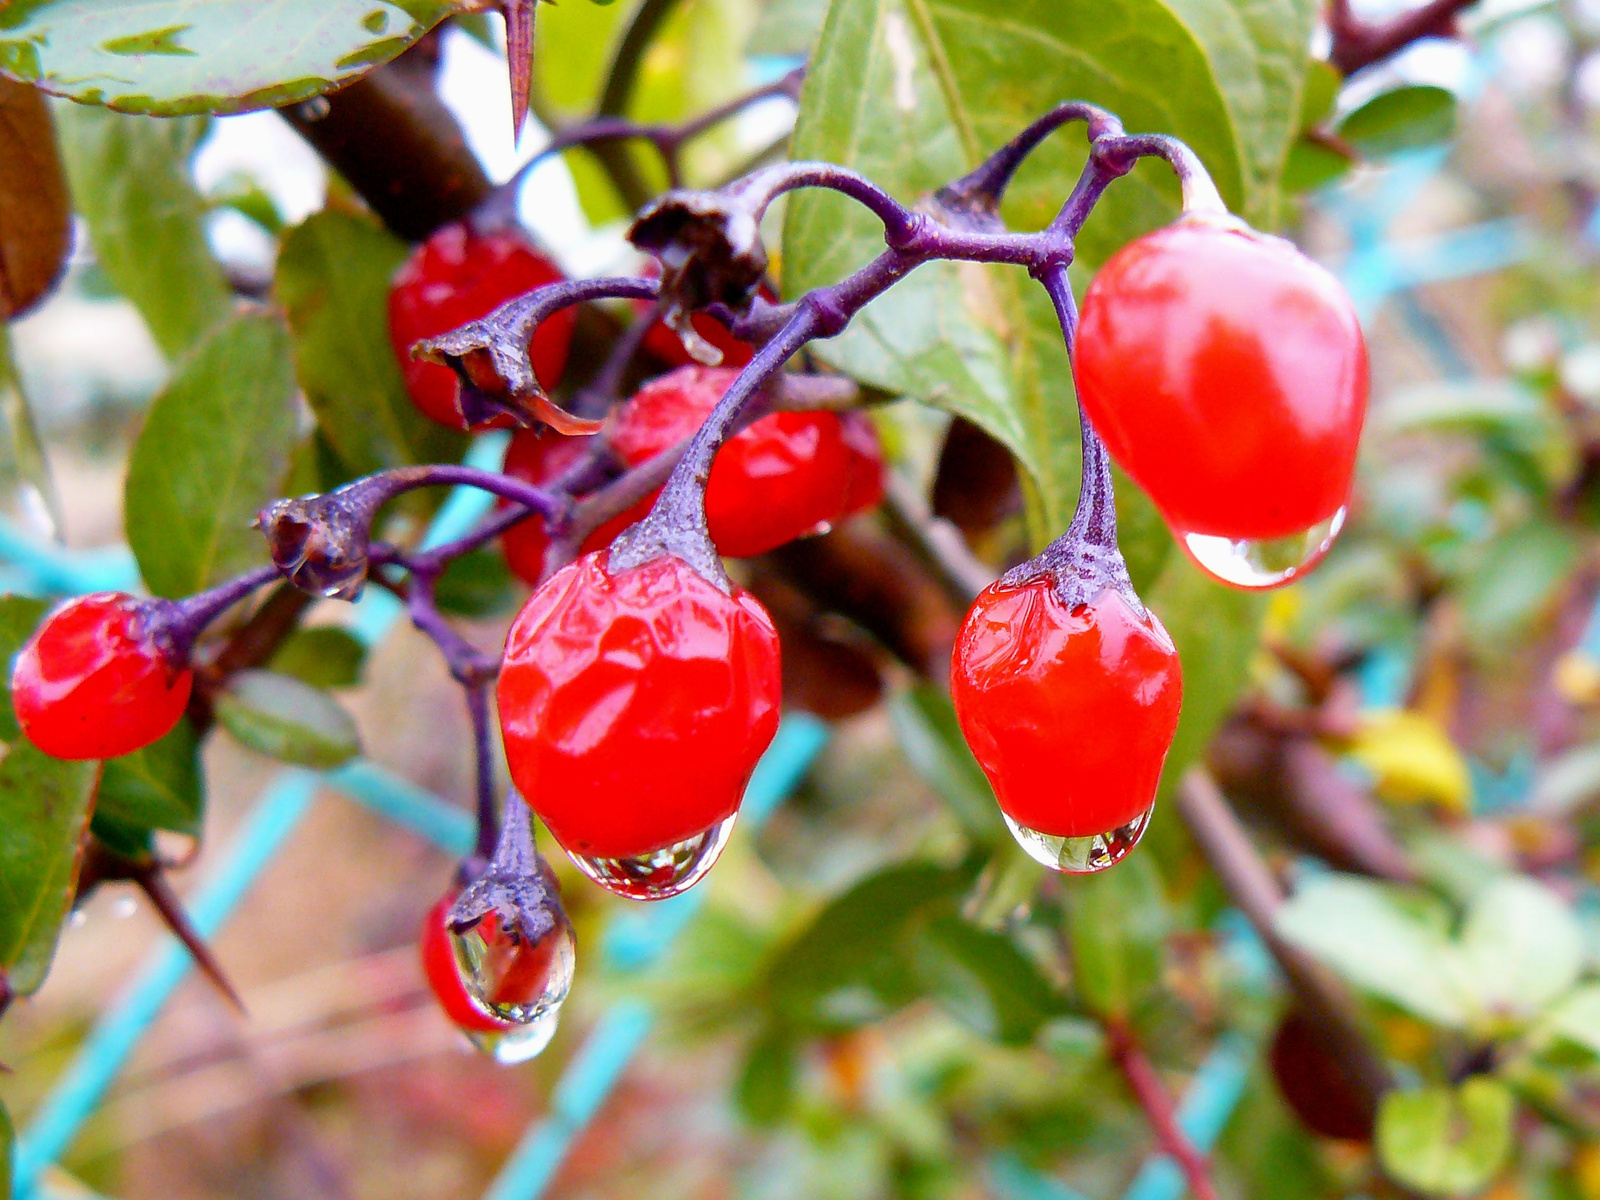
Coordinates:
<point>1328,1005</point>
<point>1358,43</point>
<point>394,141</point>
<point>1148,1090</point>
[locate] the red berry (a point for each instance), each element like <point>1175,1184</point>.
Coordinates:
<point>1068,711</point>
<point>92,683</point>
<point>457,276</point>
<point>778,480</point>
<point>444,976</point>
<point>635,706</point>
<point>1226,372</point>
<point>539,457</point>
<point>865,489</point>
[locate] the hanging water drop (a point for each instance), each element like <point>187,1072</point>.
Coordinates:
<point>660,873</point>
<point>1080,855</point>
<point>517,1043</point>
<point>511,978</point>
<point>1269,563</point>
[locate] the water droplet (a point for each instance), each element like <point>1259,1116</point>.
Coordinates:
<point>1258,565</point>
<point>661,873</point>
<point>313,109</point>
<point>173,849</point>
<point>512,979</point>
<point>124,907</point>
<point>1080,855</point>
<point>519,1043</point>
<point>77,919</point>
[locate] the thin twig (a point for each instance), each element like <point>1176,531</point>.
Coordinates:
<point>1148,1090</point>
<point>1358,43</point>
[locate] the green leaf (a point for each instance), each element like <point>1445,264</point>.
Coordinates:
<point>954,80</point>
<point>1382,942</point>
<point>925,724</point>
<point>1117,926</point>
<point>322,656</point>
<point>158,787</point>
<point>44,809</point>
<point>287,720</point>
<point>35,212</point>
<point>214,449</point>
<point>1403,119</point>
<point>1321,92</point>
<point>1446,1142</point>
<point>1312,165</point>
<point>766,1085</point>
<point>846,968</point>
<point>19,617</point>
<point>787,27</point>
<point>1515,580</point>
<point>333,281</point>
<point>477,585</point>
<point>1216,630</point>
<point>169,57</point>
<point>1576,1019</point>
<point>8,1147</point>
<point>1521,947</point>
<point>27,492</point>
<point>130,183</point>
<point>983,979</point>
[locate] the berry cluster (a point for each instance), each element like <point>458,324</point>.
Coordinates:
<point>639,685</point>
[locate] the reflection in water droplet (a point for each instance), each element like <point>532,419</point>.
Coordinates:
<point>124,907</point>
<point>313,109</point>
<point>173,849</point>
<point>76,918</point>
<point>661,873</point>
<point>1264,564</point>
<point>1080,855</point>
<point>513,979</point>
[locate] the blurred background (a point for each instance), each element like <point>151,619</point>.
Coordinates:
<point>1422,711</point>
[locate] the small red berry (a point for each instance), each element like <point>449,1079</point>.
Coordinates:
<point>444,976</point>
<point>1227,374</point>
<point>781,478</point>
<point>634,706</point>
<point>457,276</point>
<point>1069,711</point>
<point>865,489</point>
<point>93,683</point>
<point>539,457</point>
<point>663,342</point>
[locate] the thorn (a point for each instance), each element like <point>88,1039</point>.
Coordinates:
<point>519,58</point>
<point>153,883</point>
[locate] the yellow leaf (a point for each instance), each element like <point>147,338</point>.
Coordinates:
<point>1412,759</point>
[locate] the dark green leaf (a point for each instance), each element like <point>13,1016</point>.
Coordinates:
<point>846,968</point>
<point>925,723</point>
<point>287,720</point>
<point>214,450</point>
<point>1443,1141</point>
<point>44,809</point>
<point>19,617</point>
<point>130,841</point>
<point>983,979</point>
<point>333,281</point>
<point>35,213</point>
<point>1117,923</point>
<point>1312,165</point>
<point>189,56</point>
<point>765,1091</point>
<point>1404,119</point>
<point>130,183</point>
<point>477,585</point>
<point>322,656</point>
<point>158,787</point>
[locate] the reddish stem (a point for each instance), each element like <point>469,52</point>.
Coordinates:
<point>1358,43</point>
<point>1148,1090</point>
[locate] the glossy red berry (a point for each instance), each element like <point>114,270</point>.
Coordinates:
<point>1069,711</point>
<point>93,683</point>
<point>635,706</point>
<point>444,976</point>
<point>457,276</point>
<point>539,457</point>
<point>783,477</point>
<point>1227,373</point>
<point>663,342</point>
<point>865,487</point>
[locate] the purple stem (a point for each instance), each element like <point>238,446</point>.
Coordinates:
<point>985,186</point>
<point>178,624</point>
<point>483,748</point>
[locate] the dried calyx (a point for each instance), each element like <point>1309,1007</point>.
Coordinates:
<point>516,884</point>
